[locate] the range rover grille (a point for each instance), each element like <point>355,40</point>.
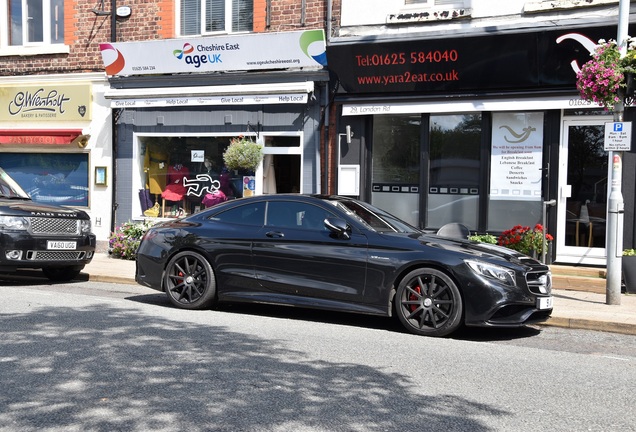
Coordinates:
<point>54,226</point>
<point>56,255</point>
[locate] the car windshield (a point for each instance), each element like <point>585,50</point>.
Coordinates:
<point>375,218</point>
<point>9,188</point>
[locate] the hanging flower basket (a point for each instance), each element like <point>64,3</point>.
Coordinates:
<point>607,79</point>
<point>243,153</point>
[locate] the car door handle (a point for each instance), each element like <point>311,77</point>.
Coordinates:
<point>275,234</point>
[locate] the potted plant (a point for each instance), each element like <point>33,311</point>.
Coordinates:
<point>629,270</point>
<point>483,238</point>
<point>243,155</point>
<point>607,79</point>
<point>528,241</point>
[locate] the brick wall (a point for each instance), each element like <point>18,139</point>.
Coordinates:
<point>84,31</point>
<point>286,15</point>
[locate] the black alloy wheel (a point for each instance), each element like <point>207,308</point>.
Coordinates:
<point>429,303</point>
<point>189,281</point>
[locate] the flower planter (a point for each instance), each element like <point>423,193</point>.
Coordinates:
<point>629,273</point>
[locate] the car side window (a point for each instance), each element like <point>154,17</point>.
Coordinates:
<point>287,214</point>
<point>249,214</point>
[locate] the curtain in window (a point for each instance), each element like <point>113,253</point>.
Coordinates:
<point>190,17</point>
<point>214,15</point>
<point>242,15</point>
<point>215,11</point>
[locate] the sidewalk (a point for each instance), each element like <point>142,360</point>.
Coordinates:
<point>572,308</point>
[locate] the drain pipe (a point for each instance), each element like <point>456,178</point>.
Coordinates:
<point>329,12</point>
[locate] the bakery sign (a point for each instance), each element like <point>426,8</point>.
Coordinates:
<point>45,103</point>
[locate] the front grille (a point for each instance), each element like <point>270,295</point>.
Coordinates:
<point>539,282</point>
<point>56,255</point>
<point>54,226</point>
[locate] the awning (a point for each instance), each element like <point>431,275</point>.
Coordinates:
<point>39,136</point>
<point>238,94</point>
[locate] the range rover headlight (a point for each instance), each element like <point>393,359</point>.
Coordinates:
<point>85,226</point>
<point>15,223</point>
<point>493,272</point>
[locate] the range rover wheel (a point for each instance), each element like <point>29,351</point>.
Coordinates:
<point>62,274</point>
<point>189,281</point>
<point>429,303</point>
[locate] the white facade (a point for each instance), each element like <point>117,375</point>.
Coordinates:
<point>402,17</point>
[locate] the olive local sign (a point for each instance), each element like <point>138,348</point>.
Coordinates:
<point>216,54</point>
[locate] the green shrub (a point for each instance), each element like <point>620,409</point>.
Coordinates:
<point>483,238</point>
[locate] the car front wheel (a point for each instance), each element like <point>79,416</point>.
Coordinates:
<point>189,281</point>
<point>429,303</point>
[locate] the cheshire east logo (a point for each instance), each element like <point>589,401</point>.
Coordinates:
<point>312,41</point>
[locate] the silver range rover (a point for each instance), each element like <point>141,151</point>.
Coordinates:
<point>56,239</point>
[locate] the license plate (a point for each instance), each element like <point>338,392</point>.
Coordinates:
<point>545,302</point>
<point>61,245</point>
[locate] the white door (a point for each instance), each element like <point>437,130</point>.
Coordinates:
<point>583,192</point>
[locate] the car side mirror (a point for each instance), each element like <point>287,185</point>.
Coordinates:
<point>338,227</point>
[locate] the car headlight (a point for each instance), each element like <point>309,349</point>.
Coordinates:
<point>85,226</point>
<point>14,223</point>
<point>494,272</point>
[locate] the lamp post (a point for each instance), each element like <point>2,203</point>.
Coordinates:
<point>615,202</point>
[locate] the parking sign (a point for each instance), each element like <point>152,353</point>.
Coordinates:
<point>618,136</point>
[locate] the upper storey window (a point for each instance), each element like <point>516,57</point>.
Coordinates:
<point>34,22</point>
<point>200,17</point>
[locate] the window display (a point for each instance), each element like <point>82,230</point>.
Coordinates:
<point>182,175</point>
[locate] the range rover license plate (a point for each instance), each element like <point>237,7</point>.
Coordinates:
<point>545,302</point>
<point>61,245</point>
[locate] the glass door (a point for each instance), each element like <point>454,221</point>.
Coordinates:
<point>583,192</point>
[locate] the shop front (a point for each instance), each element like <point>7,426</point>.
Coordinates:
<point>488,131</point>
<point>54,138</point>
<point>178,105</point>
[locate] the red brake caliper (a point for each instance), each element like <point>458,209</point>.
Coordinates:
<point>413,297</point>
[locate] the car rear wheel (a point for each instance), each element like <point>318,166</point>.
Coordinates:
<point>62,274</point>
<point>429,303</point>
<point>189,281</point>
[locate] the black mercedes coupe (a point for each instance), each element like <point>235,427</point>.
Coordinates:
<point>340,254</point>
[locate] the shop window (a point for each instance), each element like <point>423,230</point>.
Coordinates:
<point>453,192</point>
<point>395,173</point>
<point>33,22</point>
<point>179,175</point>
<point>200,17</point>
<point>516,170</point>
<point>51,178</point>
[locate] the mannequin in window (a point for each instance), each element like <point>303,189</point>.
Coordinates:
<point>156,168</point>
<point>209,168</point>
<point>175,190</point>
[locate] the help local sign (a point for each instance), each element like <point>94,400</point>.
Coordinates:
<point>618,136</point>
